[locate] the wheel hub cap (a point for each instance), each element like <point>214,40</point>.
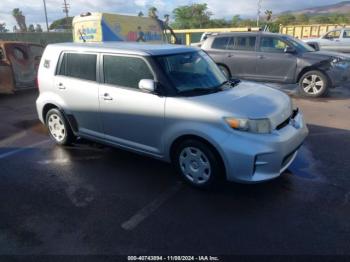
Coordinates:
<point>195,165</point>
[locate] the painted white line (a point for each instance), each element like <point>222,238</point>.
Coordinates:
<point>64,161</point>
<point>19,150</point>
<point>150,208</point>
<point>11,139</point>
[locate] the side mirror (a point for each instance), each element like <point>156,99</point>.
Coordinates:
<point>289,50</point>
<point>147,85</point>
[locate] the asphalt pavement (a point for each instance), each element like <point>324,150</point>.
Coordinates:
<point>92,199</point>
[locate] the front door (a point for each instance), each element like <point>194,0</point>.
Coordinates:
<point>273,64</point>
<point>131,117</point>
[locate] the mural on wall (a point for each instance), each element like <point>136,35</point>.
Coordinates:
<point>112,27</point>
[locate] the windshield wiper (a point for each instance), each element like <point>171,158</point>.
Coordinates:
<point>199,90</point>
<point>231,82</point>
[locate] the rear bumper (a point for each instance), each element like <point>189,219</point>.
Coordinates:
<point>251,158</point>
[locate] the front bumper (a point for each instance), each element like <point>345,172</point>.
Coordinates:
<point>339,74</point>
<point>251,158</point>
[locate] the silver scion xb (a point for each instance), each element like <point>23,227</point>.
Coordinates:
<point>171,103</point>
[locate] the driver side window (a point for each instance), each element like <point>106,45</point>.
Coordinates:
<point>333,34</point>
<point>272,45</point>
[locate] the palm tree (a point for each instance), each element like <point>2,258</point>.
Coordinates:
<point>268,14</point>
<point>166,19</point>
<point>20,19</point>
<point>152,12</point>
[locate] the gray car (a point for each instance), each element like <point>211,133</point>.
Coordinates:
<point>269,57</point>
<point>172,103</point>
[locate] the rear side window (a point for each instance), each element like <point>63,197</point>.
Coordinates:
<point>125,71</point>
<point>245,43</point>
<point>346,34</point>
<point>220,42</point>
<point>82,66</point>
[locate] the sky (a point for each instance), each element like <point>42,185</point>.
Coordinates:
<point>34,10</point>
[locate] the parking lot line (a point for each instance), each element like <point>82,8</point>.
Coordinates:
<point>19,150</point>
<point>12,138</point>
<point>145,212</point>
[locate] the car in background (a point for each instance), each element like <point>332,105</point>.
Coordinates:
<point>19,62</point>
<point>269,57</point>
<point>335,40</point>
<point>172,103</point>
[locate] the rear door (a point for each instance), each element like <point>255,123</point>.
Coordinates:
<point>75,83</point>
<point>241,56</point>
<point>273,64</point>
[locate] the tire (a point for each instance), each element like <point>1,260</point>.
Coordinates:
<point>225,71</point>
<point>59,129</point>
<point>197,164</point>
<point>314,84</point>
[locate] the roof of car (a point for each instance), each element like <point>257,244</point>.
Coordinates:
<point>249,33</point>
<point>127,48</point>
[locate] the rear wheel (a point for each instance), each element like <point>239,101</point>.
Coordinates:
<point>197,163</point>
<point>314,84</point>
<point>59,128</point>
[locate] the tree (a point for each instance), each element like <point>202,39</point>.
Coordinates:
<point>286,19</point>
<point>62,24</point>
<point>31,28</point>
<point>166,19</point>
<point>140,14</point>
<point>38,29</point>
<point>20,19</point>
<point>152,12</point>
<point>268,14</point>
<point>302,19</point>
<point>192,16</point>
<point>3,28</point>
<point>235,20</point>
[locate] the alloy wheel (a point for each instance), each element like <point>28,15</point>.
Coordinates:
<point>57,127</point>
<point>313,84</point>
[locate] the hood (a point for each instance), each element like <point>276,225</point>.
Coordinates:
<point>324,55</point>
<point>250,100</point>
<point>307,40</point>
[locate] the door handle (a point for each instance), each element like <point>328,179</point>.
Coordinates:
<point>230,55</point>
<point>61,86</point>
<point>107,97</point>
<point>261,57</point>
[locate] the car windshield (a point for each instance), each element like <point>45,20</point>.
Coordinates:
<point>192,72</point>
<point>298,44</point>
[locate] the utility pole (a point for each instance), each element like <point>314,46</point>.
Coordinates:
<point>47,23</point>
<point>258,13</point>
<point>65,9</point>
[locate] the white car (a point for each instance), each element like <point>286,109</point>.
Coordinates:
<point>335,40</point>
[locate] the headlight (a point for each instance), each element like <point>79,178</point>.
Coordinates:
<point>262,126</point>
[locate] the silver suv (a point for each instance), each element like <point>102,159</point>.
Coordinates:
<point>172,103</point>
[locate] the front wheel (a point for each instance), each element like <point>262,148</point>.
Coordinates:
<point>225,71</point>
<point>197,163</point>
<point>314,84</point>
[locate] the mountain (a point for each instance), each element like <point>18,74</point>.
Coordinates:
<point>339,8</point>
